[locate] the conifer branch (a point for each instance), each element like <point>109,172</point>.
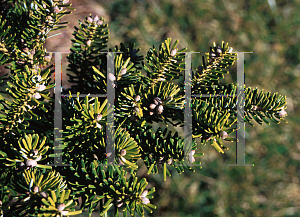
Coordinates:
<point>32,186</point>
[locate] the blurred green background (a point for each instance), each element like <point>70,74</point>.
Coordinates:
<point>268,28</point>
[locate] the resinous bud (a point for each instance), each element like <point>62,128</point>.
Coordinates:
<point>173,52</point>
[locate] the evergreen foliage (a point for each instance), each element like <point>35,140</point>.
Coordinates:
<point>31,185</point>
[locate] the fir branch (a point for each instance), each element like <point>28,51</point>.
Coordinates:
<point>211,123</point>
<point>259,105</point>
<point>161,147</point>
<point>25,90</point>
<point>164,64</point>
<point>90,40</point>
<point>29,22</point>
<point>219,58</point>
<point>129,52</point>
<point>140,101</point>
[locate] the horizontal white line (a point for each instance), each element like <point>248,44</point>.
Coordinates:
<point>83,95</point>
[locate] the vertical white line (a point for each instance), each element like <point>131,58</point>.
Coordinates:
<point>240,144</point>
<point>188,110</point>
<point>110,133</point>
<point>58,112</point>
